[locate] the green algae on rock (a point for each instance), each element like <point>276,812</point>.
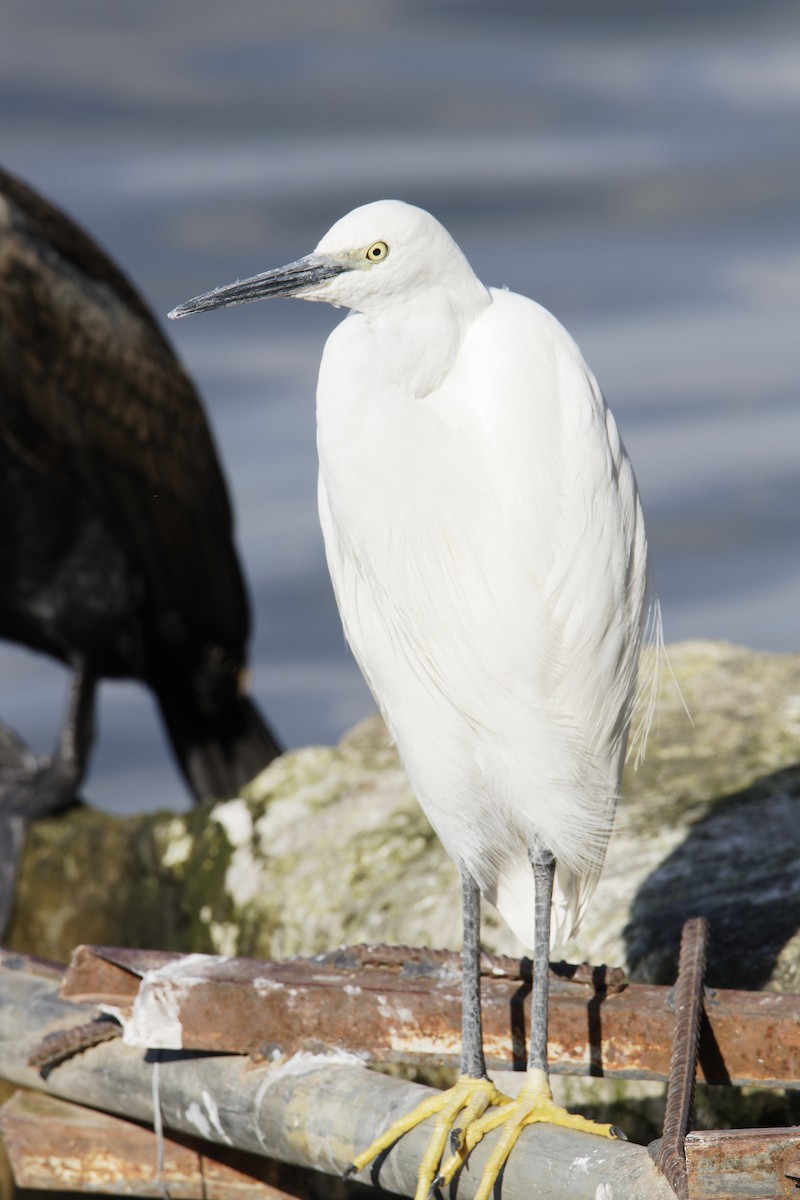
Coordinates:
<point>328,846</point>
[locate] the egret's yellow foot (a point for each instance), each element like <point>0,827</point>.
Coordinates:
<point>455,1112</point>
<point>534,1104</point>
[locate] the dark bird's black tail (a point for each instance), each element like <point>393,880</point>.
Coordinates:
<point>218,751</point>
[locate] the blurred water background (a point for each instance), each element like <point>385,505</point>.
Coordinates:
<point>632,164</point>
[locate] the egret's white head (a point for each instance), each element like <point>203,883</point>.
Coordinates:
<point>377,258</point>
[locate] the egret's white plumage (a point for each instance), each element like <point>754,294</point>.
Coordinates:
<point>486,545</point>
<point>485,540</point>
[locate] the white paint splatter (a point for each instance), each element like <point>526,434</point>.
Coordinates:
<point>213,1113</point>
<point>413,1043</point>
<point>196,1117</point>
<point>604,1192</point>
<point>154,1021</point>
<point>263,985</point>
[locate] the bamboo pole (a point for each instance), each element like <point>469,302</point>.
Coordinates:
<point>312,1111</point>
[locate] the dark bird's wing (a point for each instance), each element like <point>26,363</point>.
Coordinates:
<point>92,391</point>
<point>91,395</point>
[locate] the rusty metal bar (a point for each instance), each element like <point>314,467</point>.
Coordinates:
<point>403,1006</point>
<point>58,1046</point>
<point>671,1156</point>
<point>53,1145</point>
<point>312,1111</point>
<point>725,1164</point>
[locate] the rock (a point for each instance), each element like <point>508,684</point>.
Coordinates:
<point>328,846</point>
<point>710,825</point>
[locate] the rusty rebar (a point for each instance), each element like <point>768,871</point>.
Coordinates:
<point>688,999</point>
<point>57,1047</point>
<point>601,978</point>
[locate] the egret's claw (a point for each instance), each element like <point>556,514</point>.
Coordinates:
<point>533,1105</point>
<point>479,1108</point>
<point>466,1102</point>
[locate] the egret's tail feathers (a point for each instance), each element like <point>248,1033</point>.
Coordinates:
<point>648,688</point>
<point>513,896</point>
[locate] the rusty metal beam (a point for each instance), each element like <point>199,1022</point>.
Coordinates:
<point>725,1164</point>
<point>334,1106</point>
<point>53,1145</point>
<point>310,1111</point>
<point>395,1005</point>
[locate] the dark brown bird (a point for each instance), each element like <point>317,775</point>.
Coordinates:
<point>116,546</point>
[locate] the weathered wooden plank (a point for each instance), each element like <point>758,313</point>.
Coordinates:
<point>729,1164</point>
<point>312,1111</point>
<point>393,1009</point>
<point>54,1145</point>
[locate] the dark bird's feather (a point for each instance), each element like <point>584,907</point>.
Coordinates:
<point>116,543</point>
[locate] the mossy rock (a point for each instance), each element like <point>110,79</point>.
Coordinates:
<point>328,846</point>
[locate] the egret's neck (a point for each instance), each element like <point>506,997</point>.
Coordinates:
<point>419,336</point>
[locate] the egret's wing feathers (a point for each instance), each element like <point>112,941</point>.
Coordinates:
<point>516,549</point>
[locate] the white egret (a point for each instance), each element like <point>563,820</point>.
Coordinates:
<point>485,539</point>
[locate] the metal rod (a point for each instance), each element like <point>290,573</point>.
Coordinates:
<point>313,1111</point>
<point>671,1156</point>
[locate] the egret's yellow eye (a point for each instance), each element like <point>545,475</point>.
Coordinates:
<point>377,251</point>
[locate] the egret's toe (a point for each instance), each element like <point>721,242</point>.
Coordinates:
<point>532,1106</point>
<point>465,1104</point>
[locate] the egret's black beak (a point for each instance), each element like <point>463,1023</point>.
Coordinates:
<point>291,280</point>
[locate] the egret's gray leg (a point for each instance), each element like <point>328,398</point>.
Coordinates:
<point>534,1103</point>
<point>544,870</point>
<point>473,1064</point>
<point>458,1109</point>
